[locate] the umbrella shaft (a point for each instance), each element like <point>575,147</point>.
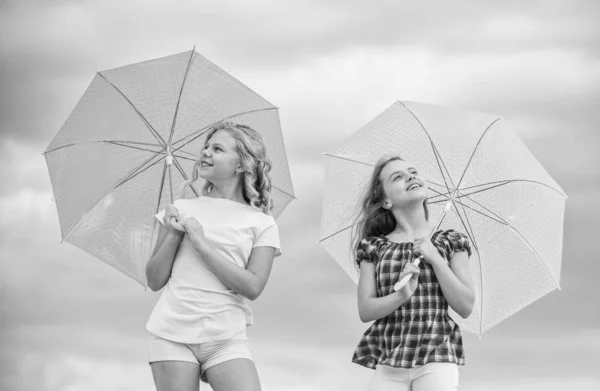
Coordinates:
<point>403,281</point>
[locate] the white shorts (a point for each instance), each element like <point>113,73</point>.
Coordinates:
<point>432,376</point>
<point>206,354</point>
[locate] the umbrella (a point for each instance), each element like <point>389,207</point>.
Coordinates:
<point>133,137</point>
<point>500,196</point>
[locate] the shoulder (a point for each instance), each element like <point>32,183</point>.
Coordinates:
<point>261,218</point>
<point>368,248</point>
<point>371,241</point>
<point>451,241</point>
<point>258,221</point>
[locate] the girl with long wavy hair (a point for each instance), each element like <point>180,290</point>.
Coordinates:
<point>212,253</point>
<point>413,343</point>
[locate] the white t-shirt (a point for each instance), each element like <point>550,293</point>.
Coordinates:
<point>195,306</point>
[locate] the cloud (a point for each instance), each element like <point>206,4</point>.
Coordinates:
<point>74,372</point>
<point>45,73</point>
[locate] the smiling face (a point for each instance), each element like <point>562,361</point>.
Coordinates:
<point>402,185</point>
<point>220,158</point>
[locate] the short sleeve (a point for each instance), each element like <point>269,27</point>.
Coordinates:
<point>452,241</point>
<point>268,236</point>
<point>366,251</point>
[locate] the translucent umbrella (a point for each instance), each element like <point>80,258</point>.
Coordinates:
<point>501,197</point>
<point>133,138</point>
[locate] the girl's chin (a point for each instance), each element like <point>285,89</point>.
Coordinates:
<point>413,198</point>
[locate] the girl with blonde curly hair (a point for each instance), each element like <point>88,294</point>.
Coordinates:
<point>212,253</point>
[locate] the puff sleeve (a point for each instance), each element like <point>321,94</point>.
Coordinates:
<point>451,241</point>
<point>366,251</point>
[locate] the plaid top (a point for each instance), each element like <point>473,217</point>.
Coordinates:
<point>420,331</point>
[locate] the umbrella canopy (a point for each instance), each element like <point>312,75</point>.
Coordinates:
<point>502,198</point>
<point>133,137</point>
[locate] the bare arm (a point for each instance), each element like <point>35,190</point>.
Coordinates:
<point>455,281</point>
<point>371,307</point>
<point>158,268</point>
<point>248,282</point>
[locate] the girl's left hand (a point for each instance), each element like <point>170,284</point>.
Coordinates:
<point>195,232</point>
<point>429,252</point>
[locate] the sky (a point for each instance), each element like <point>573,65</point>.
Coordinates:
<point>70,322</point>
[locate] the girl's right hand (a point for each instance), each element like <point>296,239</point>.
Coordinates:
<point>171,219</point>
<point>409,288</point>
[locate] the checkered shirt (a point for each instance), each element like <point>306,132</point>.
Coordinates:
<point>420,331</point>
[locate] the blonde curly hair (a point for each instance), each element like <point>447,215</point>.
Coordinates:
<point>255,164</point>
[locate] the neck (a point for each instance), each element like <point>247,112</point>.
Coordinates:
<point>231,190</point>
<point>411,222</point>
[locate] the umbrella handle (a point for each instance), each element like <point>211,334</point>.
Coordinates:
<point>176,225</point>
<point>403,281</point>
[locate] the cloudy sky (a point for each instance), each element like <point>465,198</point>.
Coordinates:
<point>69,322</point>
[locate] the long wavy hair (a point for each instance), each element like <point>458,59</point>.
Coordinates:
<point>255,165</point>
<point>374,219</point>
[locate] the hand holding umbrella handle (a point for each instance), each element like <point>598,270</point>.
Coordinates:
<point>176,225</point>
<point>403,281</point>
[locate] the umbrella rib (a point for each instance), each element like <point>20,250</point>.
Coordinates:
<point>464,195</point>
<point>181,171</point>
<point>469,229</point>
<point>141,169</point>
<point>196,135</point>
<point>347,159</point>
<point>284,192</point>
<point>150,128</point>
<point>482,190</point>
<point>183,157</point>
<point>473,209</point>
<point>131,146</point>
<point>180,93</point>
<point>216,122</point>
<point>498,217</point>
<point>478,191</point>
<point>433,146</point>
<point>114,142</point>
<point>439,194</point>
<point>100,198</point>
<point>480,291</point>
<point>335,233</point>
<point>438,159</point>
<point>161,188</point>
<point>437,184</point>
<point>512,227</point>
<point>475,150</point>
<point>484,184</point>
<point>162,185</point>
<point>471,234</point>
<point>506,181</point>
<point>538,256</point>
